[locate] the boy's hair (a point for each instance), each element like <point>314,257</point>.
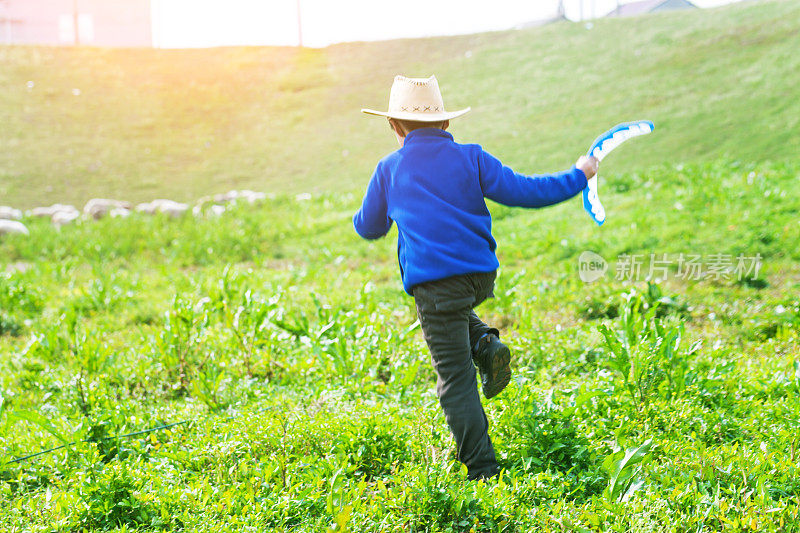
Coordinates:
<point>407,126</point>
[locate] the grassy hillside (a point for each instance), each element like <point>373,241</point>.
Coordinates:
<point>289,345</point>
<point>285,348</point>
<point>139,124</point>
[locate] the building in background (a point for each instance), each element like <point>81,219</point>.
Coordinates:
<point>69,22</point>
<point>649,6</point>
<point>208,23</point>
<point>8,24</point>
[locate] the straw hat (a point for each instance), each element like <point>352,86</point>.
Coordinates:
<point>417,99</point>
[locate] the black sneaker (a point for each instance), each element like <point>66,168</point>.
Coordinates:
<point>484,476</point>
<point>492,358</point>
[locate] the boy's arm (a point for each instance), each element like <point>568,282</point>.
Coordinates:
<point>372,220</point>
<point>503,185</point>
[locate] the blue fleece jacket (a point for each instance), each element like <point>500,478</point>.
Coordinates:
<point>434,189</point>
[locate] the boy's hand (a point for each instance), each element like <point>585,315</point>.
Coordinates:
<point>589,165</point>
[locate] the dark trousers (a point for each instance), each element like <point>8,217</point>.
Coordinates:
<point>451,328</point>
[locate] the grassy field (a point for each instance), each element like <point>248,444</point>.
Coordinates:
<point>181,124</point>
<point>286,349</point>
<point>290,345</point>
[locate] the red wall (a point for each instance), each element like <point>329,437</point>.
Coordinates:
<point>114,22</point>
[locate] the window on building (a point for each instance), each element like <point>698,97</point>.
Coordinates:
<point>5,23</point>
<point>66,28</point>
<point>86,28</point>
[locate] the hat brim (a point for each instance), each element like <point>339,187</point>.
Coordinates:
<point>418,117</point>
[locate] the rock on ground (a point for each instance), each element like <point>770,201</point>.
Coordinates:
<point>168,207</point>
<point>97,208</point>
<point>62,218</point>
<point>12,226</point>
<point>48,212</point>
<point>9,213</point>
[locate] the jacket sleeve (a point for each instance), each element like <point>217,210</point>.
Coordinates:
<point>503,185</point>
<point>372,220</point>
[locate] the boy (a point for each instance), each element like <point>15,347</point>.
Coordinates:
<point>434,189</point>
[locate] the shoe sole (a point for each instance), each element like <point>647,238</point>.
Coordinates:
<point>500,372</point>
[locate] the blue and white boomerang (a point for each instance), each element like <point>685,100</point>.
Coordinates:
<point>601,148</point>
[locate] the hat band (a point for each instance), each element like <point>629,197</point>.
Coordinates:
<point>420,109</point>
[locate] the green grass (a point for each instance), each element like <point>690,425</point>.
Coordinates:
<point>289,342</point>
<point>291,345</point>
<point>181,124</point>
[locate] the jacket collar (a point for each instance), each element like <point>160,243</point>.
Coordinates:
<point>424,133</point>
